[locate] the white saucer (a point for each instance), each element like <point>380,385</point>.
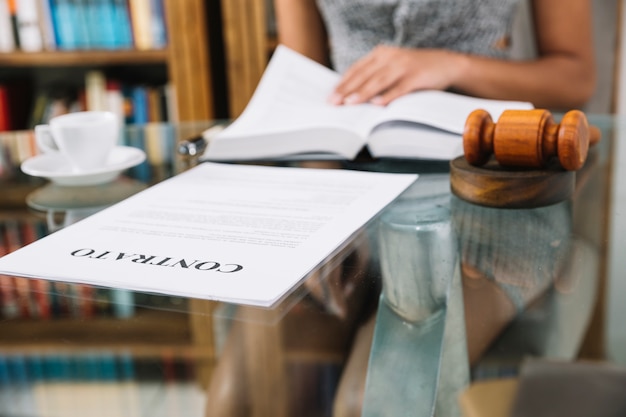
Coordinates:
<point>57,169</point>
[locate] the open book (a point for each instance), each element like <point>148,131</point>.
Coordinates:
<point>289,115</point>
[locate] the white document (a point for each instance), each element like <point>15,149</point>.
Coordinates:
<point>236,233</point>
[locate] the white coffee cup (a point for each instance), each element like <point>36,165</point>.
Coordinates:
<point>85,138</point>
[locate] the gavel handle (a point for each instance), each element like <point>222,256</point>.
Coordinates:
<point>594,135</point>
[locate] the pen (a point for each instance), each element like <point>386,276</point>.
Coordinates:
<point>192,146</point>
<point>197,144</point>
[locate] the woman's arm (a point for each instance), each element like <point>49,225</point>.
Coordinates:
<point>561,77</point>
<point>301,28</point>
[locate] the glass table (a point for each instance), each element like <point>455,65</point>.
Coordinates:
<point>435,294</point>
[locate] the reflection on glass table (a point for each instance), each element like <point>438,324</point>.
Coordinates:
<point>435,294</point>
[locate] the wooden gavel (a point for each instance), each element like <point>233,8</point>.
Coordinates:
<point>528,138</point>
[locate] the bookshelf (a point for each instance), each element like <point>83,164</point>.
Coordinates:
<point>186,59</point>
<point>194,60</point>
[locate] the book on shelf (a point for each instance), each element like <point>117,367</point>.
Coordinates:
<point>140,15</point>
<point>96,91</point>
<point>5,111</point>
<point>139,96</point>
<point>15,104</point>
<point>15,147</point>
<point>7,40</point>
<point>122,27</point>
<point>97,24</point>
<point>289,115</point>
<point>102,381</point>
<point>82,25</point>
<point>46,25</point>
<point>12,241</point>
<point>39,288</point>
<point>63,18</point>
<point>36,25</point>
<point>133,103</point>
<point>8,296</point>
<point>13,19</point>
<point>103,12</point>
<point>29,31</point>
<point>93,19</point>
<point>115,99</point>
<point>157,24</point>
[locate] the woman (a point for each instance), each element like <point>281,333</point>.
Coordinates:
<point>387,48</point>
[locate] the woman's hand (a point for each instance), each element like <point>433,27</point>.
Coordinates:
<point>389,72</point>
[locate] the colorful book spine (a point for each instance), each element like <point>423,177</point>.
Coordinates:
<point>81,21</point>
<point>134,136</point>
<point>106,12</point>
<point>5,110</point>
<point>23,397</point>
<point>94,20</point>
<point>115,102</point>
<point>14,22</point>
<point>36,25</point>
<point>13,241</point>
<point>46,25</point>
<point>8,169</point>
<point>6,396</point>
<point>29,31</point>
<point>55,384</point>
<point>39,288</point>
<point>123,303</point>
<point>139,96</point>
<point>157,24</point>
<point>7,39</point>
<point>63,18</point>
<point>122,26</point>
<point>95,90</point>
<point>8,295</point>
<point>141,18</point>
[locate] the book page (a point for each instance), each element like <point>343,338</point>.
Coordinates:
<point>237,233</point>
<point>400,139</point>
<point>443,110</point>
<point>293,95</point>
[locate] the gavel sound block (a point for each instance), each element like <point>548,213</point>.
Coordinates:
<point>524,160</point>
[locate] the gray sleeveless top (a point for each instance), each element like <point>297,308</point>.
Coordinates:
<point>355,27</point>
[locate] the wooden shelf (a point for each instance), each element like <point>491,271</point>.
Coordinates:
<point>146,330</point>
<point>187,59</point>
<point>83,58</point>
<point>186,351</point>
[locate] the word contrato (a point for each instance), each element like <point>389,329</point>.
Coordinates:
<point>154,260</point>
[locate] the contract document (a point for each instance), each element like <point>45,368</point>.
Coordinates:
<point>235,233</point>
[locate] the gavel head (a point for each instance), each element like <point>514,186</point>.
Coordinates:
<point>528,138</point>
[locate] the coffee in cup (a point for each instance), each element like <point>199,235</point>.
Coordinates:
<point>84,138</point>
